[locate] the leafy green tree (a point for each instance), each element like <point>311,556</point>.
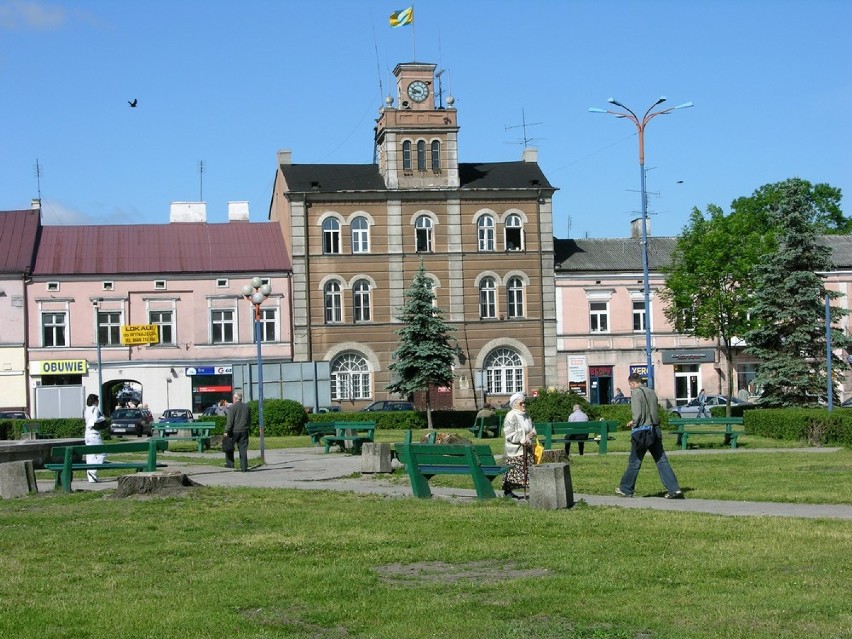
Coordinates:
<point>423,358</point>
<point>788,304</point>
<point>823,205</point>
<point>709,280</point>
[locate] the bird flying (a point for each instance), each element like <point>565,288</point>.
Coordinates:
<point>132,103</point>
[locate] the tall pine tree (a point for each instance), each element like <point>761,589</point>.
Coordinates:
<point>789,305</point>
<point>423,357</point>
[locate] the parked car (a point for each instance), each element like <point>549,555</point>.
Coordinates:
<point>210,411</point>
<point>129,421</point>
<point>13,414</point>
<point>691,409</point>
<point>175,416</point>
<point>389,405</point>
<point>621,400</point>
<point>328,409</point>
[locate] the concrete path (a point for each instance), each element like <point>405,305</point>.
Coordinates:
<point>311,469</point>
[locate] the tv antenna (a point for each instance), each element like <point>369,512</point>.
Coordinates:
<point>524,124</point>
<point>201,181</point>
<point>38,179</point>
<point>440,89</point>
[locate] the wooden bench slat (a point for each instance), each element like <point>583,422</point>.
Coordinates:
<point>422,461</point>
<point>598,432</point>
<point>65,470</point>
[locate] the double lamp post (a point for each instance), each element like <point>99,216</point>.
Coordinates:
<point>640,124</point>
<point>256,293</point>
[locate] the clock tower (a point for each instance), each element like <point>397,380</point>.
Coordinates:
<point>417,142</point>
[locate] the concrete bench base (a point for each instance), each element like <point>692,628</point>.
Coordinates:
<point>376,458</point>
<point>550,487</point>
<point>17,479</point>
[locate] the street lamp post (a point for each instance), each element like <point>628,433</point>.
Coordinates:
<point>256,293</point>
<point>641,123</point>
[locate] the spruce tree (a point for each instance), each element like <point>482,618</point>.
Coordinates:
<point>423,357</point>
<point>789,306</point>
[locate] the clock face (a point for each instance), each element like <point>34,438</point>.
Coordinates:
<point>418,91</point>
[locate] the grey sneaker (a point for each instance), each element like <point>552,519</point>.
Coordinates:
<point>675,495</point>
<point>618,491</point>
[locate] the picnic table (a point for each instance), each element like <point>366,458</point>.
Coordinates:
<point>65,470</point>
<point>358,433</point>
<point>194,431</point>
<point>550,433</point>
<point>702,426</point>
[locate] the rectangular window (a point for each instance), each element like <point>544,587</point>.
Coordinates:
<point>599,317</point>
<point>109,328</point>
<point>268,325</point>
<point>53,287</point>
<point>159,285</point>
<point>222,326</point>
<point>221,283</point>
<point>108,286</point>
<point>164,320</point>
<point>53,329</point>
<point>638,316</point>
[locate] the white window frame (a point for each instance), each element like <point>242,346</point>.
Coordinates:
<point>110,322</point>
<point>406,155</point>
<point>598,317</point>
<point>360,234</point>
<point>514,222</point>
<point>170,324</point>
<point>435,152</point>
<point>332,294</point>
<point>485,233</point>
<point>424,227</point>
<point>268,325</point>
<point>487,298</point>
<point>421,155</point>
<point>361,302</point>
<point>515,290</point>
<point>227,320</point>
<point>56,328</point>
<point>331,236</point>
<point>640,315</point>
<point>350,377</point>
<point>504,372</point>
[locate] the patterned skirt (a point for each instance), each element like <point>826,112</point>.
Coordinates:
<point>516,477</point>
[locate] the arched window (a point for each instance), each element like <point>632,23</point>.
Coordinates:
<point>330,236</point>
<point>361,301</point>
<point>514,233</point>
<point>406,155</point>
<point>487,298</point>
<point>421,155</point>
<point>504,372</point>
<point>360,235</point>
<point>430,286</point>
<point>485,227</point>
<point>423,234</point>
<point>333,303</point>
<point>350,377</point>
<point>515,297</point>
<point>436,155</point>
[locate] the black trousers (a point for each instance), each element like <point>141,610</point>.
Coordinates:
<point>241,443</point>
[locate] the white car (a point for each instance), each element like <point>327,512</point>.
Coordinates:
<point>691,409</point>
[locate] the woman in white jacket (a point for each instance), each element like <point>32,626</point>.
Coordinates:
<point>94,422</point>
<point>519,432</point>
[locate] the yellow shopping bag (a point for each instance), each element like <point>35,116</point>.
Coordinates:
<point>538,451</point>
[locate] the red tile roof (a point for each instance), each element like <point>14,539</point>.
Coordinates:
<point>18,236</point>
<point>162,248</point>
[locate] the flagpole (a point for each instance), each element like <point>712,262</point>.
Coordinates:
<point>413,34</point>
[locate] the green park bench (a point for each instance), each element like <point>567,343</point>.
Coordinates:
<point>424,461</point>
<point>65,470</point>
<point>198,432</point>
<point>687,426</point>
<point>359,433</point>
<point>486,427</point>
<point>318,430</point>
<point>551,433</point>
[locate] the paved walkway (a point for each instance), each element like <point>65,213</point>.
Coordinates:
<point>311,469</point>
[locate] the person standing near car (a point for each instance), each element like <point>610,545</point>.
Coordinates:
<point>237,428</point>
<point>646,437</point>
<point>95,423</point>
<point>702,404</point>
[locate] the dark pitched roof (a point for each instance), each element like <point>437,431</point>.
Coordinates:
<point>234,247</point>
<point>329,178</point>
<point>625,254</point>
<point>611,254</point>
<point>18,236</point>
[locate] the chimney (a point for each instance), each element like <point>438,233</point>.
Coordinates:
<point>188,212</point>
<point>35,205</point>
<point>636,228</point>
<point>530,155</point>
<point>238,211</point>
<point>285,156</point>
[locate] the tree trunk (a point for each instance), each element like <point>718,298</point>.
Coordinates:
<point>429,407</point>
<point>156,483</point>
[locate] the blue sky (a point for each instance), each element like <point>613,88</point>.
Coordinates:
<point>231,83</point>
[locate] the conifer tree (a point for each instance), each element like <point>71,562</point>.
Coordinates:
<point>789,305</point>
<point>423,357</point>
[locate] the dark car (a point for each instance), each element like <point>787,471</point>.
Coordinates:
<point>210,411</point>
<point>389,405</point>
<point>13,414</point>
<point>129,421</point>
<point>328,409</point>
<point>691,409</point>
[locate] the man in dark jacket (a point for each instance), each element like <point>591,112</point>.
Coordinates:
<point>237,428</point>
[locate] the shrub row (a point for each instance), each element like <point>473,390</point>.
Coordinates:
<point>817,426</point>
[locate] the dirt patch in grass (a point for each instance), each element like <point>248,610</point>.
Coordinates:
<point>289,619</point>
<point>442,572</point>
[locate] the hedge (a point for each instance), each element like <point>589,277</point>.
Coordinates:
<point>816,426</point>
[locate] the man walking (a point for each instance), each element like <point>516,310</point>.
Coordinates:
<point>646,436</point>
<point>237,428</point>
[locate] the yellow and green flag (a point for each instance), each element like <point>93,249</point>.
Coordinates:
<point>402,18</point>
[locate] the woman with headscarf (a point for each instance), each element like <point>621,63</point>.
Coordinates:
<point>519,433</point>
<point>94,419</point>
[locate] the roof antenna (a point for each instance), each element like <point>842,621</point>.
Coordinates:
<point>524,124</point>
<point>201,181</point>
<point>440,90</point>
<point>38,180</point>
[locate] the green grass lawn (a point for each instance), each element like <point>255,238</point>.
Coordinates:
<point>258,563</point>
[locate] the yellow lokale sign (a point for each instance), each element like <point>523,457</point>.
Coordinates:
<point>133,334</point>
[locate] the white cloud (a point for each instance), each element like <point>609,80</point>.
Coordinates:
<point>30,14</point>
